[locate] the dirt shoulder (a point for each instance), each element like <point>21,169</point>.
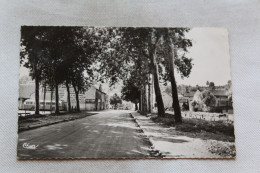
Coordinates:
<point>194,138</point>
<point>36,121</point>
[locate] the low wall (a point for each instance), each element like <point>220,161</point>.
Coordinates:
<point>208,116</point>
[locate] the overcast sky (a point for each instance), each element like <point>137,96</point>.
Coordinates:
<point>210,53</point>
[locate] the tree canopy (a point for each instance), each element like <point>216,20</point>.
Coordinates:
<point>58,54</point>
<point>131,92</point>
<point>115,100</point>
<point>76,56</point>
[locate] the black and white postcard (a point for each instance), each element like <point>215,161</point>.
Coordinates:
<point>124,93</point>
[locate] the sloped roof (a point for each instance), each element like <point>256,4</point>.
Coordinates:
<point>25,91</point>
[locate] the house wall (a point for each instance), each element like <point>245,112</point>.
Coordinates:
<point>92,93</point>
<point>222,102</point>
<point>89,107</point>
<point>100,100</point>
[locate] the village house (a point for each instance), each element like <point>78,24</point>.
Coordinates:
<point>222,102</point>
<point>93,99</point>
<point>186,99</point>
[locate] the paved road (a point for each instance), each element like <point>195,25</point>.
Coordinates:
<point>110,134</point>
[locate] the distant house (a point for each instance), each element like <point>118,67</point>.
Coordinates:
<point>222,102</point>
<point>222,97</point>
<point>92,99</point>
<point>100,99</point>
<point>107,101</point>
<point>188,95</point>
<point>187,98</point>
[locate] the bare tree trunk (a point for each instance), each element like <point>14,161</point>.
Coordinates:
<point>152,89</point>
<point>37,88</point>
<point>68,96</point>
<point>44,96</point>
<point>144,99</point>
<point>136,106</point>
<point>77,98</point>
<point>158,95</point>
<point>149,96</point>
<point>57,109</point>
<point>51,98</point>
<point>141,100</point>
<point>175,100</point>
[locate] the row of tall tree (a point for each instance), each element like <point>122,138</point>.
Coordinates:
<point>156,54</point>
<point>74,55</point>
<point>55,56</point>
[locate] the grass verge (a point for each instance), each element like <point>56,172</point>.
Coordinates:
<point>35,121</point>
<point>217,130</point>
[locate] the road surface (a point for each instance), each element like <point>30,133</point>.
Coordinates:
<point>109,134</point>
